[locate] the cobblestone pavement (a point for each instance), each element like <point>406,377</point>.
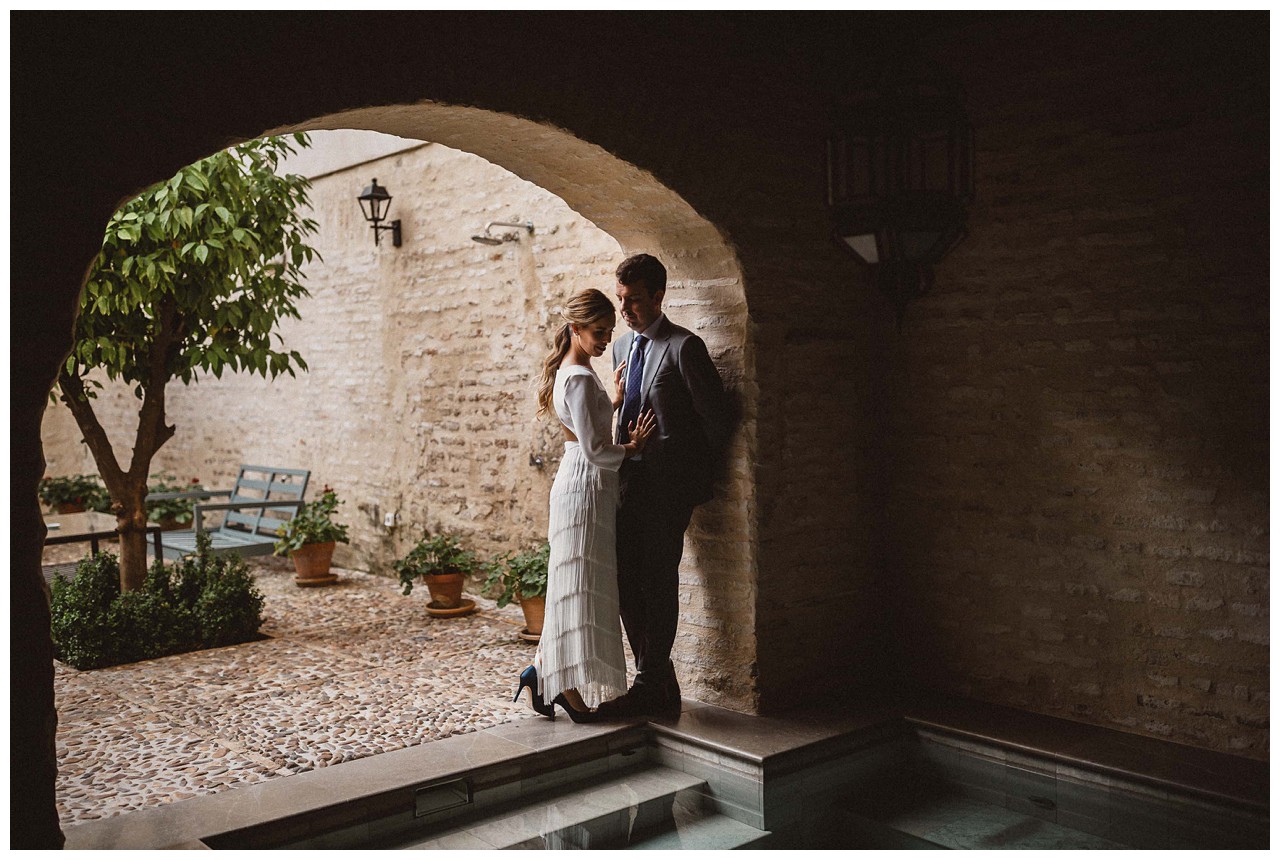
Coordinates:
<point>350,670</point>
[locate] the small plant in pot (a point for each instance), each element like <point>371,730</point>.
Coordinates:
<point>310,538</point>
<point>522,577</point>
<point>73,494</point>
<point>443,562</point>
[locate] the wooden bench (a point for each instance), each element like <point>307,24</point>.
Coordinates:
<point>263,499</point>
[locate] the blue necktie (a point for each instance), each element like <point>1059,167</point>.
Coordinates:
<point>631,399</point>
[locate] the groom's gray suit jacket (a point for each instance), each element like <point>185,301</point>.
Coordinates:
<point>683,388</point>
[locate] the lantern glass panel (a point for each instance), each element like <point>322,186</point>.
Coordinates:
<point>375,202</point>
<point>865,247</point>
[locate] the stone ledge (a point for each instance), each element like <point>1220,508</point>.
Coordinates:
<point>377,786</point>
<point>1212,775</point>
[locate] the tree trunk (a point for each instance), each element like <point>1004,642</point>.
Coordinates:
<point>128,489</point>
<point>131,521</point>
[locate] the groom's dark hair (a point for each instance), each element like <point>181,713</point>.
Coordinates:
<point>643,270</point>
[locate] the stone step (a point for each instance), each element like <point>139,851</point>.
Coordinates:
<point>695,828</point>
<point>640,808</point>
<point>945,820</point>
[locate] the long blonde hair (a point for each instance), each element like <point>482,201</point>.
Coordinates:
<point>582,309</point>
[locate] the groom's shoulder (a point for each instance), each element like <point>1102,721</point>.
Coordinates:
<point>678,332</point>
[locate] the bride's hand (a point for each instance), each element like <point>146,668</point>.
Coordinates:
<point>641,429</point>
<point>619,385</point>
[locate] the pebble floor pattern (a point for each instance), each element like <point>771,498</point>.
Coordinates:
<point>351,670</point>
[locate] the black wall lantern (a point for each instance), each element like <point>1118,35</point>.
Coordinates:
<point>375,202</point>
<point>899,177</point>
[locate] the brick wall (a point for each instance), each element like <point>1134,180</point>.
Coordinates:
<point>1079,499</point>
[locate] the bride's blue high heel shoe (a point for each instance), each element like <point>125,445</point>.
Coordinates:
<point>577,716</point>
<point>529,678</point>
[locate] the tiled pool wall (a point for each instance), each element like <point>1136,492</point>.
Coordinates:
<point>787,798</point>
<point>1134,812</point>
<point>800,802</point>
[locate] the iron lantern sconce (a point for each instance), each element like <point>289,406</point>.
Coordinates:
<point>900,178</point>
<point>375,203</point>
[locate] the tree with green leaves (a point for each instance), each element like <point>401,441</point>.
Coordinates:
<point>194,276</point>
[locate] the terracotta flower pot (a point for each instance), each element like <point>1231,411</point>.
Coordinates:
<point>312,560</point>
<point>446,589</point>
<point>68,508</point>
<point>535,610</point>
<point>168,524</point>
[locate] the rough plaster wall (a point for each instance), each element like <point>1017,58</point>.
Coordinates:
<point>1079,497</point>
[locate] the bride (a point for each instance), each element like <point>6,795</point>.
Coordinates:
<point>579,662</point>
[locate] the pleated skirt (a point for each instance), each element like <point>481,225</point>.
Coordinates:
<point>581,645</point>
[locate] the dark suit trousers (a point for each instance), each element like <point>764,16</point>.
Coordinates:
<point>651,528</point>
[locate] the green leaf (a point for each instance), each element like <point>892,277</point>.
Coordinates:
<point>158,251</point>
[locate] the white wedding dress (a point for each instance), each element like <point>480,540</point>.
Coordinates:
<point>581,645</point>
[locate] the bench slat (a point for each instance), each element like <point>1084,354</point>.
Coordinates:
<point>247,532</point>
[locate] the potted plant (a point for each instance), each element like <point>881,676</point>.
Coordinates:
<point>171,513</point>
<point>443,563</point>
<point>522,577</point>
<point>310,537</point>
<point>74,494</point>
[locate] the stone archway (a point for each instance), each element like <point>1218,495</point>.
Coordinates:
<point>716,637</point>
<point>705,292</point>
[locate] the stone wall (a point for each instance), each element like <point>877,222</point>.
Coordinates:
<point>1079,497</point>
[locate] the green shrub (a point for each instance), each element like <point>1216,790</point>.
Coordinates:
<point>141,626</point>
<point>203,601</point>
<point>82,636</point>
<point>229,608</point>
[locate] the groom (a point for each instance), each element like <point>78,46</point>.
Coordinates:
<point>668,371</point>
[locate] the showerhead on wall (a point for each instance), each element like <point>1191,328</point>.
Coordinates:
<point>486,239</point>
